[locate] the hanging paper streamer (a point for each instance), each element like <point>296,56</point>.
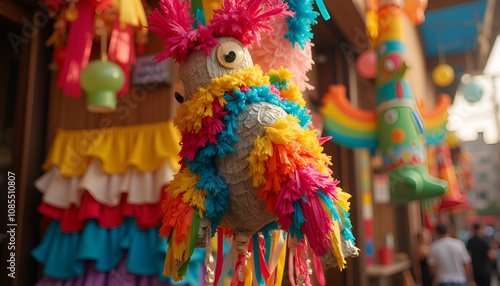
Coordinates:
<point>461,161</point>
<point>80,19</point>
<point>132,12</point>
<point>121,50</point>
<point>78,48</point>
<point>209,6</point>
<point>396,127</point>
<point>453,196</point>
<point>430,206</point>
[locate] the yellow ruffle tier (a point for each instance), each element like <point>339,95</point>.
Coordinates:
<point>143,146</point>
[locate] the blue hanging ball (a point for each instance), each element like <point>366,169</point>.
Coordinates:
<point>473,92</point>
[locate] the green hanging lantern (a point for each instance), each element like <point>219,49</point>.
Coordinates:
<point>101,80</point>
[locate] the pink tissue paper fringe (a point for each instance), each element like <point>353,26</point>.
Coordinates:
<point>122,51</point>
<point>242,19</point>
<point>276,51</point>
<point>304,183</point>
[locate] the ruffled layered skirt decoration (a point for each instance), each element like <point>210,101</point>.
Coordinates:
<point>102,190</point>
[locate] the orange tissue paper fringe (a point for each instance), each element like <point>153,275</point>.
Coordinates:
<point>284,147</point>
<point>180,206</point>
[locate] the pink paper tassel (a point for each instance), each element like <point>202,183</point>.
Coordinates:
<point>78,49</point>
<point>239,273</point>
<point>276,51</point>
<point>319,270</point>
<point>121,50</point>
<point>262,259</point>
<point>301,266</point>
<point>291,268</point>
<point>302,186</point>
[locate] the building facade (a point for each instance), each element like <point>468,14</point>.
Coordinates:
<point>485,160</point>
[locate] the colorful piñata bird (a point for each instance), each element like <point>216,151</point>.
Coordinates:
<point>249,163</point>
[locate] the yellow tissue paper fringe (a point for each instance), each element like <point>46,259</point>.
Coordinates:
<point>175,255</point>
<point>286,129</point>
<point>191,114</point>
<point>282,73</point>
<point>262,150</point>
<point>184,184</point>
<point>293,92</point>
<point>337,245</point>
<point>343,200</point>
<point>334,237</point>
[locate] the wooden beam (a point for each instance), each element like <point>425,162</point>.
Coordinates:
<point>350,21</point>
<point>13,12</point>
<point>440,4</point>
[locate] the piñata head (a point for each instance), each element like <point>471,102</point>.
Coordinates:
<point>213,50</point>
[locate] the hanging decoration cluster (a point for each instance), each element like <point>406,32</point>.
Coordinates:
<point>251,169</point>
<point>396,127</point>
<point>448,162</point>
<point>81,23</point>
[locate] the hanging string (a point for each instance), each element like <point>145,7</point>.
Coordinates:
<point>104,39</point>
<point>468,61</point>
<point>441,48</point>
<point>441,54</point>
<point>209,260</point>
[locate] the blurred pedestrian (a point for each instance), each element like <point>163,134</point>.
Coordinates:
<point>422,274</point>
<point>482,256</point>
<point>448,260</point>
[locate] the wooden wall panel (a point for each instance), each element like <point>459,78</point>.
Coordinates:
<point>384,222</point>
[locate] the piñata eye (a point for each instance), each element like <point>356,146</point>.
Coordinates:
<point>230,54</point>
<point>179,91</point>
